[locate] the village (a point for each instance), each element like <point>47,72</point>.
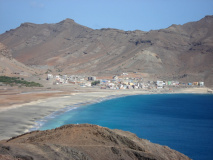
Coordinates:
<point>118,82</point>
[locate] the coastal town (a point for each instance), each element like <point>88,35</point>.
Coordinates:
<point>106,80</point>
<point>123,81</point>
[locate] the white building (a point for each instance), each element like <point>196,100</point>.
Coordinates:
<point>49,76</point>
<point>57,77</point>
<point>160,84</point>
<point>201,83</point>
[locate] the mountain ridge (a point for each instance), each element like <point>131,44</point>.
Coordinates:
<point>75,49</point>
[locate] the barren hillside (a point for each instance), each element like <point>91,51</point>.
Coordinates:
<point>180,52</point>
<point>11,67</point>
<point>85,142</point>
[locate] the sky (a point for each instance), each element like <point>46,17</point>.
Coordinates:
<point>127,15</point>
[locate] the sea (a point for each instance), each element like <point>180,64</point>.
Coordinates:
<point>183,122</point>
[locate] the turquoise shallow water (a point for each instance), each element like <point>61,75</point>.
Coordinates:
<point>183,122</point>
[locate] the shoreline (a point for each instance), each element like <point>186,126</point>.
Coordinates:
<point>21,118</point>
<point>39,123</point>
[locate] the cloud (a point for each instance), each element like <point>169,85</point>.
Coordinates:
<point>35,4</point>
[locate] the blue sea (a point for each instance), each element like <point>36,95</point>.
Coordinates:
<point>183,122</point>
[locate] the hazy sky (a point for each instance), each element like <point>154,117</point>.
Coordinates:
<point>121,14</point>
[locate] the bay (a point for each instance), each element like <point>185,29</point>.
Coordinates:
<point>183,122</point>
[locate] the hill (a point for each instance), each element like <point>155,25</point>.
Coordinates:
<point>11,67</point>
<point>179,52</point>
<point>88,142</point>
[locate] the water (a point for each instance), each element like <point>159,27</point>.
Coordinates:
<point>183,122</point>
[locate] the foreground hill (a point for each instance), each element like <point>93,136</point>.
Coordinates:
<point>84,142</point>
<point>180,52</point>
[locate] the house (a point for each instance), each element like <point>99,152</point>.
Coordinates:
<point>201,83</point>
<point>169,83</point>
<point>88,84</point>
<point>49,76</point>
<point>177,83</point>
<point>174,83</point>
<point>61,80</point>
<point>64,76</point>
<point>92,78</point>
<point>124,87</point>
<point>195,83</point>
<point>57,77</point>
<point>160,84</point>
<point>115,77</point>
<point>71,78</point>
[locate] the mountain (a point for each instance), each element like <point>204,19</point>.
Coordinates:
<point>85,142</point>
<point>179,52</point>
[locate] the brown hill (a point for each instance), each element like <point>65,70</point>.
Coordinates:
<point>85,142</point>
<point>180,52</point>
<point>11,67</point>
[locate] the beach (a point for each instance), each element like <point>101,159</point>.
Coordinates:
<point>19,118</point>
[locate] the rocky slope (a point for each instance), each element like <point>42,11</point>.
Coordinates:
<point>84,142</point>
<point>180,52</point>
<point>11,67</point>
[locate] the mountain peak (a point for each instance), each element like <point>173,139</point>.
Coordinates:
<point>67,20</point>
<point>208,16</point>
<point>27,24</point>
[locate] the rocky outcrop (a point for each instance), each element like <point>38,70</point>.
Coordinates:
<point>84,142</point>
